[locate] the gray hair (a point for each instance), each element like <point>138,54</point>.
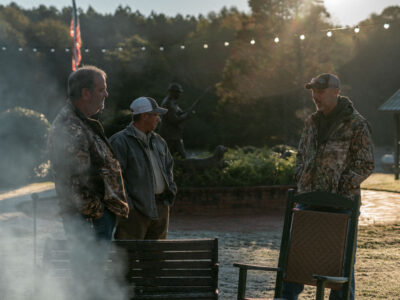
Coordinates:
<point>82,78</point>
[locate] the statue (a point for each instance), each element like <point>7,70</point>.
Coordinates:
<point>171,130</point>
<point>172,124</point>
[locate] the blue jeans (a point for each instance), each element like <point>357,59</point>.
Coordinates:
<point>88,242</point>
<point>292,290</point>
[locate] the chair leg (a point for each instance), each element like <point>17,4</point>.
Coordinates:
<point>320,290</point>
<point>346,291</point>
<point>242,284</point>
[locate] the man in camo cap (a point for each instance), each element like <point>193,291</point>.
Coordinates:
<point>335,152</point>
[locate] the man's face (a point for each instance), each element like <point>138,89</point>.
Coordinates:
<point>325,100</point>
<point>175,94</point>
<point>95,101</point>
<point>150,121</point>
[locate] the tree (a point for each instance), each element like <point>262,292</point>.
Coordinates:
<point>266,80</point>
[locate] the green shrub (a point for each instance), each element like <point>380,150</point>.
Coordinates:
<point>248,166</point>
<point>23,136</point>
<point>114,122</point>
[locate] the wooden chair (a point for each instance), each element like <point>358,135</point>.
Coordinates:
<point>317,246</point>
<point>154,269</point>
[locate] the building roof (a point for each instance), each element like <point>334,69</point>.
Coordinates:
<point>392,104</point>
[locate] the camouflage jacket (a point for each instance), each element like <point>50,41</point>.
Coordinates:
<point>87,175</point>
<point>343,161</point>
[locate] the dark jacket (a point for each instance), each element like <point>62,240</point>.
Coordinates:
<point>137,169</point>
<point>87,175</point>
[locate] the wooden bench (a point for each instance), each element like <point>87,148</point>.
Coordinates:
<point>154,269</point>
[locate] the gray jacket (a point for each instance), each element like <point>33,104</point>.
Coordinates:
<point>137,169</point>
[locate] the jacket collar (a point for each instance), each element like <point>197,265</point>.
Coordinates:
<point>342,111</point>
<point>132,132</point>
<point>72,107</point>
<point>94,124</point>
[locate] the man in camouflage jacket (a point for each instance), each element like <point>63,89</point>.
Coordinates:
<point>88,180</point>
<point>87,175</point>
<point>335,152</point>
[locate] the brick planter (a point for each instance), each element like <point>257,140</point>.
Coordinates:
<point>231,200</point>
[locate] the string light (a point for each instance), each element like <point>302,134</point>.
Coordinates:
<point>328,32</point>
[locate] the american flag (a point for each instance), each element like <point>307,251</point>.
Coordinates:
<point>75,33</point>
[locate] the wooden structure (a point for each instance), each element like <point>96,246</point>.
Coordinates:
<point>393,105</point>
<point>154,269</point>
<point>317,246</point>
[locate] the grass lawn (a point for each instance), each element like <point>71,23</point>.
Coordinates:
<point>381,182</point>
<point>378,262</point>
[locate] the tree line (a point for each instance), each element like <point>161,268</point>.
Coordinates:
<point>257,94</point>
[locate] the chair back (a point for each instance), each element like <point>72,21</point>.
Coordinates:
<point>317,240</point>
<point>317,246</point>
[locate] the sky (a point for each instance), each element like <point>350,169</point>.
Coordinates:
<point>343,12</point>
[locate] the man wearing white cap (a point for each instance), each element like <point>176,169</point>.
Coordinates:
<point>147,168</point>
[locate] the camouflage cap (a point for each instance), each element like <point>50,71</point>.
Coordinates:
<point>324,81</point>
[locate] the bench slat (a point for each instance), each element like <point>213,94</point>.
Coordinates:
<point>162,269</point>
<point>156,265</point>
<point>171,273</point>
<point>166,255</point>
<point>177,296</point>
<point>172,281</point>
<point>149,245</point>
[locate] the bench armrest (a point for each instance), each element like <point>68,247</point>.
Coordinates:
<point>331,279</point>
<point>323,280</point>
<point>255,267</point>
<point>243,268</point>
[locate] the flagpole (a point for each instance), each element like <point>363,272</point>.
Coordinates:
<point>74,17</point>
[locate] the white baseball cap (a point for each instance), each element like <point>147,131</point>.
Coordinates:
<point>146,104</point>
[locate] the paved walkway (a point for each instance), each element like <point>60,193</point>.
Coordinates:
<point>379,207</point>
<point>254,239</point>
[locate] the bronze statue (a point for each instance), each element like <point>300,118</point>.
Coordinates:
<point>171,128</point>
